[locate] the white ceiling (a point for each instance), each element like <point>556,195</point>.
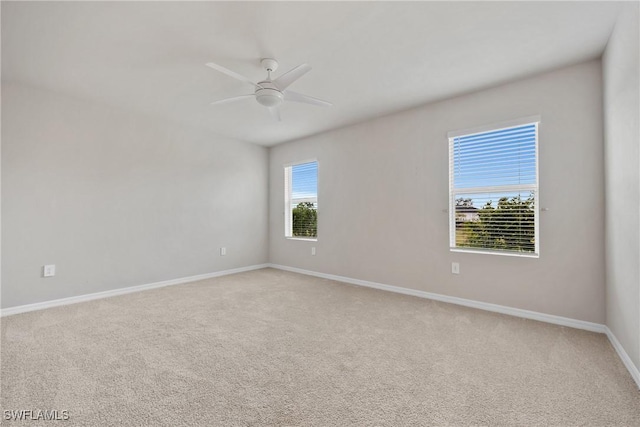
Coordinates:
<point>368,58</point>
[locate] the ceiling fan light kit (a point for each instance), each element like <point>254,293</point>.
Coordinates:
<point>271,93</point>
<point>269,96</point>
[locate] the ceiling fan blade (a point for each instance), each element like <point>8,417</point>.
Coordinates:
<point>233,74</point>
<point>298,97</point>
<point>285,80</point>
<point>275,113</point>
<point>233,99</point>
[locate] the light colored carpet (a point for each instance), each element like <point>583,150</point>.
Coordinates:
<point>275,348</point>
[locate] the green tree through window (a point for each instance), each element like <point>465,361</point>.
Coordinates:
<point>510,225</point>
<point>305,220</point>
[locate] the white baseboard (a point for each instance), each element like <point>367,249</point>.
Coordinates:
<point>628,363</point>
<point>121,291</point>
<point>534,315</point>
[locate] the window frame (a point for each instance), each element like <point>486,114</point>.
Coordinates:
<point>288,199</point>
<point>535,188</point>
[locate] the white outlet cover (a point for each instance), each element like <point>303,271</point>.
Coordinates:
<point>223,251</point>
<point>49,270</point>
<point>313,250</point>
<point>455,267</point>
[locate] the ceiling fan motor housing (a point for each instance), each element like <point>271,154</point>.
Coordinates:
<point>268,95</point>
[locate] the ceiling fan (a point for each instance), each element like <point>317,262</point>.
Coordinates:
<point>271,93</point>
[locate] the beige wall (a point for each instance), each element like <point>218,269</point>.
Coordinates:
<point>622,166</point>
<point>116,199</point>
<point>383,186</point>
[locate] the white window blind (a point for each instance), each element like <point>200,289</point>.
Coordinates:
<point>301,200</point>
<point>493,190</point>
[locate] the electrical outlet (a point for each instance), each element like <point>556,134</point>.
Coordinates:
<point>49,270</point>
<point>313,250</point>
<point>455,267</point>
<point>223,251</point>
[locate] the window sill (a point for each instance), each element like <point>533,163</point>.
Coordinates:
<point>306,239</point>
<point>516,254</point>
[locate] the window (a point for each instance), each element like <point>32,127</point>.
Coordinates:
<point>301,200</point>
<point>493,189</point>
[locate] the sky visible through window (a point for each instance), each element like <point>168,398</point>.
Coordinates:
<point>305,181</point>
<point>494,159</point>
<point>497,158</point>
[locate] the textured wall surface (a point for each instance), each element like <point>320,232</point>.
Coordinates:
<point>622,153</point>
<point>383,186</point>
<point>115,199</point>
